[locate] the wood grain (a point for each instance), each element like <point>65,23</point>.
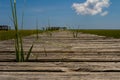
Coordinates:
<point>62,57</point>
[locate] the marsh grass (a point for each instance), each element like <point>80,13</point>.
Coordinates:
<point>111,33</point>
<point>6,35</point>
<point>75,33</point>
<point>22,24</point>
<point>20,55</point>
<point>108,33</point>
<point>48,31</point>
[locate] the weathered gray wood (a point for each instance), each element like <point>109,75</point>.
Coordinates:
<point>62,57</point>
<point>59,76</point>
<point>66,57</point>
<point>60,67</point>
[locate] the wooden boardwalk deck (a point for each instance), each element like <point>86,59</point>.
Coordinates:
<point>62,57</point>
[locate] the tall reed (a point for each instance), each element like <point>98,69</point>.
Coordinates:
<point>75,33</point>
<point>20,55</point>
<point>49,32</point>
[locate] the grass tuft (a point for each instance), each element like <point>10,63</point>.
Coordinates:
<point>20,55</point>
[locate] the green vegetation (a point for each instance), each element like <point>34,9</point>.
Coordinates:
<point>107,33</point>
<point>5,35</point>
<point>20,54</point>
<point>75,33</point>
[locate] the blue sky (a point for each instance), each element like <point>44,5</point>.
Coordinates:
<point>59,13</point>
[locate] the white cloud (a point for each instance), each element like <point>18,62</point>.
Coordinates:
<point>104,13</point>
<point>92,7</point>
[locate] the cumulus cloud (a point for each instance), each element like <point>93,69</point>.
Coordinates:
<point>104,13</point>
<point>92,7</point>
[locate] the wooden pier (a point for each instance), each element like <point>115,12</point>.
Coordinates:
<point>62,57</point>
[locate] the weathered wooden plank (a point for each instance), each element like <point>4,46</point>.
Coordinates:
<point>66,58</point>
<point>59,76</point>
<point>64,52</point>
<point>76,45</point>
<point>64,49</point>
<point>60,67</point>
<point>58,44</point>
<point>66,40</point>
<point>89,57</point>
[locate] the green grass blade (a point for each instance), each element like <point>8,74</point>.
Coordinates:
<point>14,21</point>
<point>18,38</point>
<point>17,45</point>
<point>13,13</point>
<point>29,52</point>
<point>17,32</point>
<point>22,24</point>
<point>16,51</point>
<point>22,51</point>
